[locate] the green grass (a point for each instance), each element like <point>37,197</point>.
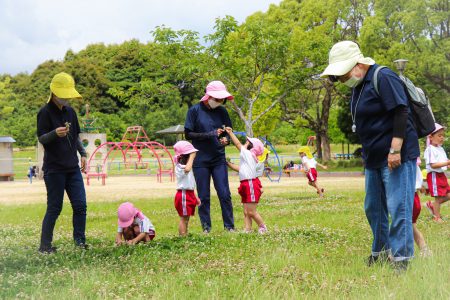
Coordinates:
<point>315,250</point>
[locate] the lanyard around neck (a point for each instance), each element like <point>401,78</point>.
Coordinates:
<point>356,106</point>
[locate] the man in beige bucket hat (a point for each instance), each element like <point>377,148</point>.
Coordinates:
<point>390,145</point>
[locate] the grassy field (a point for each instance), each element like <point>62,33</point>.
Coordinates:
<point>315,249</point>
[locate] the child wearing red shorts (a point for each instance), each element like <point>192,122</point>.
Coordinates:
<point>418,237</point>
<point>309,165</point>
<point>437,163</point>
<point>185,199</point>
<point>250,188</point>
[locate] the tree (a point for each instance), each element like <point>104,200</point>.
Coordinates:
<point>250,58</point>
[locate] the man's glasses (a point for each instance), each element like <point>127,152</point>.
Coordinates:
<point>333,78</point>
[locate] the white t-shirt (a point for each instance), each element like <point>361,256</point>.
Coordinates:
<point>310,163</point>
<point>145,225</point>
<point>184,181</point>
<point>247,165</point>
<point>419,179</point>
<point>433,155</point>
<point>260,169</point>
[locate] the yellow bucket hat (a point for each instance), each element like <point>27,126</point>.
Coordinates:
<point>305,149</point>
<point>262,157</point>
<point>63,86</point>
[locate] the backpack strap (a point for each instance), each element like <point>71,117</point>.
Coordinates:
<point>375,78</point>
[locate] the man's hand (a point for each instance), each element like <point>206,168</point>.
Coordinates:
<point>61,131</point>
<point>83,164</point>
<point>394,161</point>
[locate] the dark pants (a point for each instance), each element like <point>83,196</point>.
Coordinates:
<point>72,183</point>
<point>220,178</point>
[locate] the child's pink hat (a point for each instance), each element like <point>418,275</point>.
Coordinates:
<point>258,147</point>
<point>183,147</point>
<point>126,213</point>
<point>218,90</point>
<point>437,127</point>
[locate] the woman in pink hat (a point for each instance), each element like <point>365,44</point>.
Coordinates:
<point>204,126</point>
<point>134,226</point>
<point>185,199</point>
<point>436,164</point>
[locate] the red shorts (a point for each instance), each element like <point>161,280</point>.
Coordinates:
<point>185,202</point>
<point>311,175</point>
<point>416,208</point>
<point>250,190</point>
<point>438,184</point>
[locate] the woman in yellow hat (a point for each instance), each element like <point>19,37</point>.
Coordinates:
<point>58,131</point>
<point>309,164</point>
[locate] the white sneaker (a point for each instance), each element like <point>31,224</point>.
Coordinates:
<point>262,229</point>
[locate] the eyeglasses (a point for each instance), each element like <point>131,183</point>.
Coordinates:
<point>333,78</point>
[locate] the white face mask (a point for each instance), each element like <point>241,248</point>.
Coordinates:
<point>353,81</point>
<point>213,104</point>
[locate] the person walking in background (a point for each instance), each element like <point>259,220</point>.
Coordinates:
<point>250,188</point>
<point>58,131</point>
<point>437,163</point>
<point>185,199</point>
<point>309,165</point>
<point>390,145</point>
<point>204,126</point>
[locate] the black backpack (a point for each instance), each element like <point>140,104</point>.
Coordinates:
<point>418,102</point>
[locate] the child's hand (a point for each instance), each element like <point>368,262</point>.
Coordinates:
<point>119,241</point>
<point>199,202</point>
<point>131,242</point>
<point>229,130</point>
<point>325,167</point>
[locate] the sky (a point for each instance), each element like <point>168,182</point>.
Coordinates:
<point>33,31</point>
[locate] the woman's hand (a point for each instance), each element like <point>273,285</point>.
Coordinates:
<point>61,131</point>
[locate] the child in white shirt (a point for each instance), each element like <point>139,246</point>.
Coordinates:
<point>250,188</point>
<point>185,199</point>
<point>309,165</point>
<point>436,164</point>
<point>134,226</point>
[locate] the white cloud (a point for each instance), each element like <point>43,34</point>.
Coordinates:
<point>33,31</point>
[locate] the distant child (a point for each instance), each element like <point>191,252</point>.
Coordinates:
<point>134,226</point>
<point>249,168</point>
<point>185,199</point>
<point>309,164</point>
<point>31,173</point>
<point>436,164</point>
<point>418,237</point>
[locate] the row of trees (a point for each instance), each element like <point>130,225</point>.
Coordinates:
<point>270,63</point>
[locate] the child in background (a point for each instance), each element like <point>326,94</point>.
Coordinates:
<point>185,199</point>
<point>134,226</point>
<point>309,165</point>
<point>436,164</point>
<point>250,188</point>
<point>418,237</point>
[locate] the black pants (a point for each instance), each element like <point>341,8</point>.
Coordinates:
<point>72,183</point>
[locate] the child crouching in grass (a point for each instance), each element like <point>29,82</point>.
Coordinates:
<point>134,226</point>
<point>185,199</point>
<point>250,188</point>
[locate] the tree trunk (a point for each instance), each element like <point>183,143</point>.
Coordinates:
<point>326,150</point>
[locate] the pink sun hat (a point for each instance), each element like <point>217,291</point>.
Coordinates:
<point>126,214</point>
<point>258,147</point>
<point>181,148</point>
<point>218,90</point>
<point>437,127</point>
